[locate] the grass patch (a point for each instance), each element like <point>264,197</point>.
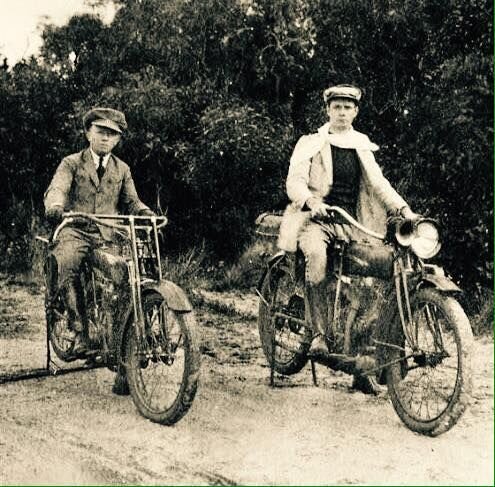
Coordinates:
<point>227,309</point>
<point>480,312</point>
<point>246,272</point>
<point>188,270</point>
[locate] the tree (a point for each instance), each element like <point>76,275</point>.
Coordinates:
<point>218,91</point>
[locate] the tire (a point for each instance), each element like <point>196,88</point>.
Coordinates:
<point>60,336</point>
<point>430,391</point>
<point>285,343</point>
<point>163,373</point>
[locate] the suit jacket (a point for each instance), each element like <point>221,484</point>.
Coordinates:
<point>76,187</point>
<point>311,175</point>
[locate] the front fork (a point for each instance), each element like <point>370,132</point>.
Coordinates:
<point>403,267</point>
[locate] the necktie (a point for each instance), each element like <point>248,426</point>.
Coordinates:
<point>101,169</point>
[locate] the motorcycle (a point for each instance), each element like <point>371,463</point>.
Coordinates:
<point>392,318</point>
<point>145,326</point>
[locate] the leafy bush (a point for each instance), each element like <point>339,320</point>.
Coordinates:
<point>217,92</point>
<point>235,169</point>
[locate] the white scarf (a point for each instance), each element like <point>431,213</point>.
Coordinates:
<point>309,145</point>
<point>351,139</point>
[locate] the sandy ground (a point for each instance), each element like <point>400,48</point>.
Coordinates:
<point>72,430</point>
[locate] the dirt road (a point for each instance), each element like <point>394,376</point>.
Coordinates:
<point>72,430</point>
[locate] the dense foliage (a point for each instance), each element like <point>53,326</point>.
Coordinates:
<point>217,92</point>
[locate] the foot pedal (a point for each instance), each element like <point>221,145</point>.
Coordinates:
<point>313,373</point>
<point>93,360</point>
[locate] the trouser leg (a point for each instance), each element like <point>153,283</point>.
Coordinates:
<point>313,242</point>
<point>69,251</point>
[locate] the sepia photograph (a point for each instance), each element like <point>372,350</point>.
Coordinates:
<point>246,242</point>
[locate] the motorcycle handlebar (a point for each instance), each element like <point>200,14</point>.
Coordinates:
<point>102,219</point>
<point>354,222</point>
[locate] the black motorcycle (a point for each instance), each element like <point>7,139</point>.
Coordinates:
<point>145,325</point>
<point>392,318</point>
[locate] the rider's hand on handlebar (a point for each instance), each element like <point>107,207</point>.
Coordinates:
<point>54,215</point>
<point>408,214</point>
<point>146,212</point>
<point>317,207</point>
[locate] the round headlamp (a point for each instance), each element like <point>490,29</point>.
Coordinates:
<point>426,240</point>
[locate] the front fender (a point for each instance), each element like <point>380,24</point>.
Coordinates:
<point>434,276</point>
<point>442,283</point>
<point>173,295</point>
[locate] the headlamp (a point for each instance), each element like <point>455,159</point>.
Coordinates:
<point>421,236</point>
<point>426,240</point>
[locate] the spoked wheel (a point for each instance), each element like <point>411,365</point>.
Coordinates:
<point>430,388</point>
<point>61,337</point>
<point>163,366</point>
<point>284,337</point>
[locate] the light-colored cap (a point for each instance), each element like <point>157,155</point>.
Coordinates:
<point>342,91</point>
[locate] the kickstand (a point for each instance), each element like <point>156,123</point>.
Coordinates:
<point>272,363</point>
<point>313,373</point>
<point>272,367</point>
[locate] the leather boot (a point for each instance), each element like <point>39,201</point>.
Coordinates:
<point>121,386</point>
<point>77,317</point>
<point>367,384</point>
<point>316,306</point>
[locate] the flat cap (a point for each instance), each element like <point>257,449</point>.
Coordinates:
<point>105,117</point>
<point>342,91</point>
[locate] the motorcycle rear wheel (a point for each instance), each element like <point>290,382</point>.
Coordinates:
<point>60,336</point>
<point>431,390</point>
<point>163,366</point>
<point>285,342</point>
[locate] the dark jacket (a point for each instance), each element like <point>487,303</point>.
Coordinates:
<point>76,187</point>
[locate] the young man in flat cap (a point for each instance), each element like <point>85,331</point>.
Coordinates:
<point>334,166</point>
<point>91,181</point>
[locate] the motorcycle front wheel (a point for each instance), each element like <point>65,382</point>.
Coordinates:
<point>285,339</point>
<point>430,383</point>
<point>163,365</point>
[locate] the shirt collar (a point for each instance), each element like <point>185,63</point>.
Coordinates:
<point>96,158</point>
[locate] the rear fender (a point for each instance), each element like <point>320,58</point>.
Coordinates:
<point>275,259</point>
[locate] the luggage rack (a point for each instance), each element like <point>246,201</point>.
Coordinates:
<point>267,224</point>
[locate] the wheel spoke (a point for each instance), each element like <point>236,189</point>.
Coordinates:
<point>60,315</point>
<point>424,390</point>
<point>159,364</point>
<point>285,339</point>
